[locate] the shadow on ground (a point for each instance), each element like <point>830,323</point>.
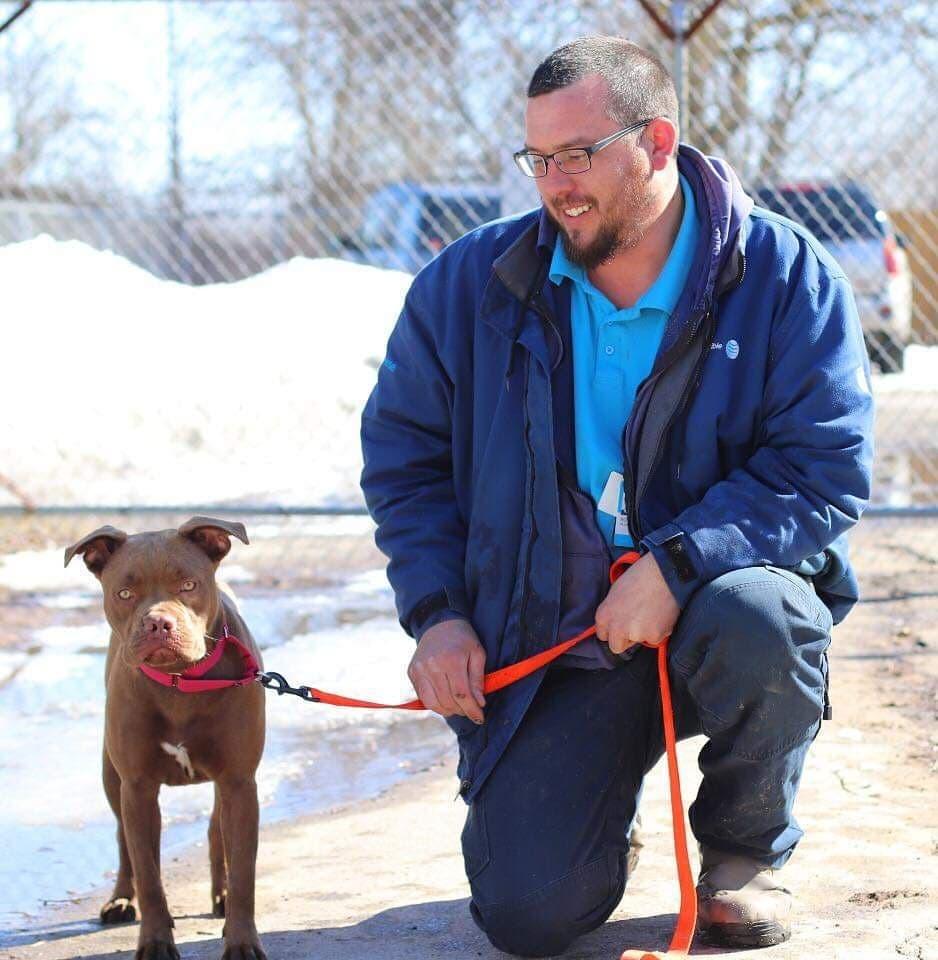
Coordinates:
<point>420,931</point>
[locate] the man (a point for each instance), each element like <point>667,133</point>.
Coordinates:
<point>646,360</point>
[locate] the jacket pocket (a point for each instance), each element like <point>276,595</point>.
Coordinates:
<point>475,839</point>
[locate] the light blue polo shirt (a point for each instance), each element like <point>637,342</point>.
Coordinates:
<point>613,351</point>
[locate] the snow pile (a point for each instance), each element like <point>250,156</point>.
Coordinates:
<point>122,388</point>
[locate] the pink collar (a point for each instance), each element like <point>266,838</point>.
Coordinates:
<point>189,680</point>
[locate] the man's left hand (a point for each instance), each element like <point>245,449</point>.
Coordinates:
<point>639,608</point>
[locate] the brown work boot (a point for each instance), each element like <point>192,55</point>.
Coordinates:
<point>740,903</point>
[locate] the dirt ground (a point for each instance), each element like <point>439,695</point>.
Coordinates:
<point>385,878</point>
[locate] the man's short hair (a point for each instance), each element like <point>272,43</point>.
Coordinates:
<point>640,86</point>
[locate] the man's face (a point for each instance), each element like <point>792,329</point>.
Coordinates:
<point>608,208</point>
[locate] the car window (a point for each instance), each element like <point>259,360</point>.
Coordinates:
<point>389,216</point>
<point>445,219</point>
<point>831,213</point>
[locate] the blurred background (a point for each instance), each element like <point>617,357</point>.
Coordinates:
<point>209,215</point>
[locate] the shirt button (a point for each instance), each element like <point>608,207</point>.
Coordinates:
<point>610,351</point>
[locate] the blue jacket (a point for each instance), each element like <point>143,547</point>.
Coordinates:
<point>749,443</point>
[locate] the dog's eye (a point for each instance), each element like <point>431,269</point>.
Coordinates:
<point>125,594</point>
<point>187,585</point>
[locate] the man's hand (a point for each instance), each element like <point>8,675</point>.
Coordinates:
<point>639,608</point>
<point>448,668</point>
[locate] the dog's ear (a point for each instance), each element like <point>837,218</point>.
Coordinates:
<point>212,535</point>
<point>97,548</point>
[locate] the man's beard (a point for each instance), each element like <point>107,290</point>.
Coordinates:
<point>603,247</point>
<point>614,235</point>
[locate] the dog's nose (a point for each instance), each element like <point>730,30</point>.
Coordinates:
<point>160,625</point>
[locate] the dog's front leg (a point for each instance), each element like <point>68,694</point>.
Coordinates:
<point>120,908</point>
<point>239,819</point>
<point>140,813</point>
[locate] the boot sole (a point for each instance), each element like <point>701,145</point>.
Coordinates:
<point>759,933</point>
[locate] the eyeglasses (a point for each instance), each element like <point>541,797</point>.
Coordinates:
<point>571,160</point>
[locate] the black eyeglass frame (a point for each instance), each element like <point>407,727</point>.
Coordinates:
<point>519,155</point>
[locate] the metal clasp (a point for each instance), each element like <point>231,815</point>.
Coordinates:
<point>277,681</point>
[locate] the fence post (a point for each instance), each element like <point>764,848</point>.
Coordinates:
<point>678,9</point>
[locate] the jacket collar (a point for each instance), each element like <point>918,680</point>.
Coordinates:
<point>518,267</point>
<point>723,210</point>
<point>513,279</point>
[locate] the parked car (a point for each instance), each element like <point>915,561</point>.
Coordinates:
<point>849,223</point>
<point>404,225</point>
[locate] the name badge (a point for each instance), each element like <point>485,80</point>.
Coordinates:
<point>622,535</point>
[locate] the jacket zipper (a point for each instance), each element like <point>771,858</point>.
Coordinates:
<point>692,384</point>
<point>525,593</point>
<point>544,314</point>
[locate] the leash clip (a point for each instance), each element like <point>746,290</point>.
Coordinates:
<point>272,680</point>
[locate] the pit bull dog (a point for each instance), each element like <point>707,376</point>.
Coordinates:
<point>167,614</point>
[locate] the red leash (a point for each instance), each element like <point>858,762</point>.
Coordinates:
<point>493,681</point>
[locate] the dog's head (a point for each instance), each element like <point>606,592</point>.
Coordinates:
<point>160,596</point>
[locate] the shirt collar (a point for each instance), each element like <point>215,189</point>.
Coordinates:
<point>663,293</point>
<point>561,268</point>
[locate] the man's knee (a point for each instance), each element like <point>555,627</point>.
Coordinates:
<point>750,649</point>
<point>752,621</point>
<point>524,931</point>
<point>546,921</point>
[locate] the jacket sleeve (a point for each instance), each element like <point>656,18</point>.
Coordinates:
<point>809,477</point>
<point>407,479</point>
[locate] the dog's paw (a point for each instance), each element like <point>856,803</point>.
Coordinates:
<point>157,950</point>
<point>243,951</point>
<point>218,905</point>
<point>118,910</point>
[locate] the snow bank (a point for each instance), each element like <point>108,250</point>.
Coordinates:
<point>120,387</point>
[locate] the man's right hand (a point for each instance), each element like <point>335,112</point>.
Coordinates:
<point>448,668</point>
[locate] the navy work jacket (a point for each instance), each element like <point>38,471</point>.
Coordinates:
<point>749,443</point>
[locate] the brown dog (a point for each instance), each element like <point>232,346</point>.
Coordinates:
<point>165,610</point>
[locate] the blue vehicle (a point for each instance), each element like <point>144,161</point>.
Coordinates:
<point>404,225</point>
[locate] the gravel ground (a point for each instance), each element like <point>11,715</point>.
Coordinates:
<point>353,883</point>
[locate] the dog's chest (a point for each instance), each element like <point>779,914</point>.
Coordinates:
<point>183,756</point>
